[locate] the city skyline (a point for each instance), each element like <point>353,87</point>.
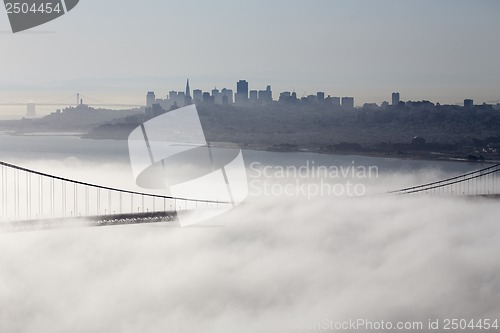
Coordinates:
<point>439,51</point>
<point>244,96</point>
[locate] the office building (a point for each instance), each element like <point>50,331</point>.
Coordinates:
<point>216,96</point>
<point>207,99</point>
<point>150,99</point>
<point>348,103</point>
<point>468,104</point>
<point>177,98</point>
<point>336,101</point>
<point>241,92</point>
<point>227,96</point>
<point>253,96</point>
<point>320,96</point>
<point>197,96</point>
<point>395,99</point>
<point>265,96</point>
<point>284,97</point>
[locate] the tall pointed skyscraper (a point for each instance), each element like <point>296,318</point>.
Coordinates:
<point>188,90</point>
<point>187,97</point>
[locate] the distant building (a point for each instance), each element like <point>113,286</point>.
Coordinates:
<point>310,99</point>
<point>348,103</point>
<point>287,97</point>
<point>188,89</point>
<point>395,99</point>
<point>216,96</point>
<point>370,106</point>
<point>187,98</point>
<point>181,98</point>
<point>320,96</point>
<point>265,96</point>
<point>336,102</point>
<point>242,87</point>
<point>172,95</point>
<point>164,103</point>
<point>178,98</point>
<point>468,103</point>
<point>242,92</point>
<point>253,96</point>
<point>227,96</point>
<point>207,99</point>
<point>197,96</point>
<point>329,100</point>
<point>150,98</point>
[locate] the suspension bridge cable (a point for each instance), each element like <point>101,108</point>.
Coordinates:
<point>76,182</point>
<point>426,187</point>
<point>431,185</point>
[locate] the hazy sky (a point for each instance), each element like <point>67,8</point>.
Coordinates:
<point>118,49</point>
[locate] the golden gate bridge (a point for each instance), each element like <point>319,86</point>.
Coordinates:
<point>481,182</point>
<point>32,200</point>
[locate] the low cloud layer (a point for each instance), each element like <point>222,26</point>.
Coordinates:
<point>264,267</point>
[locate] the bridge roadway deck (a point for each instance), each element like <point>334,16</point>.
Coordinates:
<point>88,221</point>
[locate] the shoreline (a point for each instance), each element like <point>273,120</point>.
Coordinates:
<point>413,157</point>
<point>431,156</point>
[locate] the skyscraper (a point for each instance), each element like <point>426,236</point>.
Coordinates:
<point>241,92</point>
<point>336,102</point>
<point>198,96</point>
<point>216,96</point>
<point>242,88</point>
<point>348,103</point>
<point>188,90</point>
<point>253,96</point>
<point>150,98</point>
<point>266,96</point>
<point>207,99</point>
<point>468,104</point>
<point>227,94</point>
<point>187,96</point>
<point>395,98</point>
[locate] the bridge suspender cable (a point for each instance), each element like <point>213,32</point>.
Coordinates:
<point>150,195</point>
<point>450,181</point>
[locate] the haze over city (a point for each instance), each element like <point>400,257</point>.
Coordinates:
<point>440,51</point>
